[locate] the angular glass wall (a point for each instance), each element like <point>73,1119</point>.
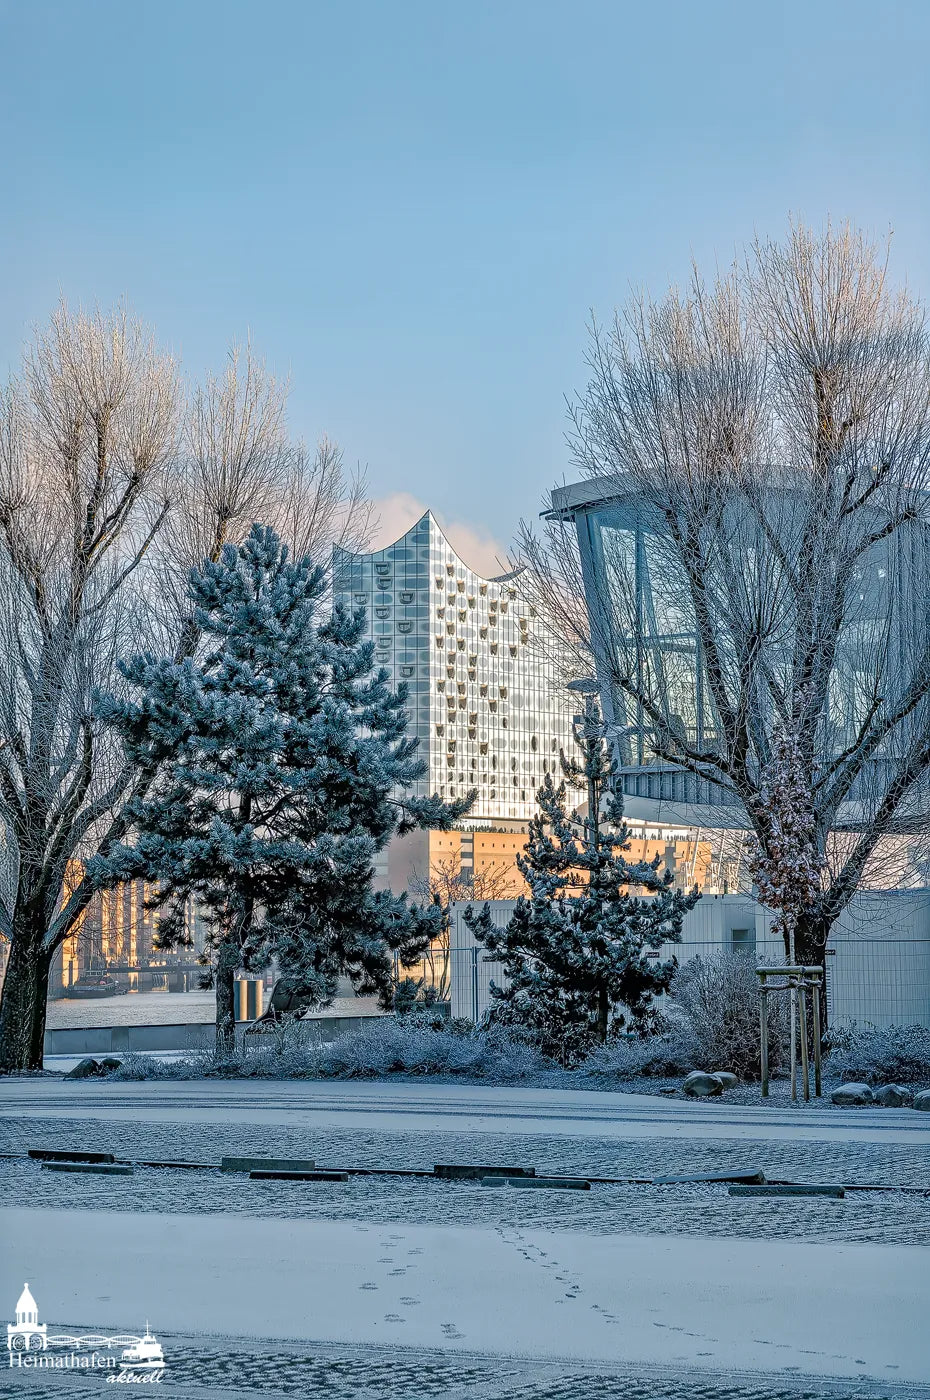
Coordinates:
<point>645,631</point>
<point>652,670</point>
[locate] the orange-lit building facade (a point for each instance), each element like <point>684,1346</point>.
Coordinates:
<point>118,934</point>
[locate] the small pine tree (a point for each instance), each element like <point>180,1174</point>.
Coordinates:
<point>279,757</point>
<point>576,950</point>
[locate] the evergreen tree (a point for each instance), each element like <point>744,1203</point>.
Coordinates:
<point>279,756</point>
<point>576,950</point>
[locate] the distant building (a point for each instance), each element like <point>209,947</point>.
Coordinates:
<point>117,934</point>
<point>486,683</point>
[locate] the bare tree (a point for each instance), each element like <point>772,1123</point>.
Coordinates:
<point>765,440</point>
<point>237,466</point>
<point>111,486</point>
<point>447,883</point>
<point>88,440</point>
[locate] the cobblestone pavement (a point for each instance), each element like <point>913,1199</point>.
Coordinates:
<point>863,1217</point>
<point>340,1372</point>
<point>866,1163</point>
<point>219,1367</point>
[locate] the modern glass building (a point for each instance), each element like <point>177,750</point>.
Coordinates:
<point>486,683</point>
<point>644,629</point>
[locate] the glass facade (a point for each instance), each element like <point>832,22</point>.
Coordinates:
<point>486,692</point>
<point>645,633</point>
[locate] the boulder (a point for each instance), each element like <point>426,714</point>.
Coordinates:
<point>852,1095</point>
<point>699,1085</point>
<point>726,1077</point>
<point>84,1069</point>
<point>893,1096</point>
<point>922,1100</point>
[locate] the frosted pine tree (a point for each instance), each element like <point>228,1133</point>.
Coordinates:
<point>576,951</point>
<point>279,754</point>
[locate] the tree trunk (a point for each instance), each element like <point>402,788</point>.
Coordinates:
<point>226,964</point>
<point>24,997</point>
<point>810,948</point>
<point>603,1014</point>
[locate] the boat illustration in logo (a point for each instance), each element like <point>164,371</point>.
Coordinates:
<point>145,1354</point>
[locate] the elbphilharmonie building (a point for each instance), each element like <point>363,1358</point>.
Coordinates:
<point>486,684</point>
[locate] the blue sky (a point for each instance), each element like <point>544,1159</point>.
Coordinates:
<point>411,207</point>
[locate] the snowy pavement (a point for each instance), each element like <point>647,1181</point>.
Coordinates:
<point>704,1304</point>
<point>407,1287</point>
<point>422,1107</point>
<point>706,1210</point>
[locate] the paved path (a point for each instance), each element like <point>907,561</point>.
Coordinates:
<point>386,1289</point>
<point>864,1217</point>
<point>424,1107</point>
<point>768,1308</point>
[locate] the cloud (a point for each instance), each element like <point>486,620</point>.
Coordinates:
<point>476,546</point>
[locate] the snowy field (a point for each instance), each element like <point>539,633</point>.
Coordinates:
<point>165,1009</point>
<point>408,1287</point>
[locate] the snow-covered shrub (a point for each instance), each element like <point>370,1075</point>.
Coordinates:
<point>718,997</point>
<point>196,1065</point>
<point>879,1054</point>
<point>392,1047</point>
<point>389,1047</point>
<point>417,1004</point>
<point>672,1052</point>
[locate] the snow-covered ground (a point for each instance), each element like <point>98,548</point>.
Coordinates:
<point>617,1278</point>
<point>831,1310</point>
<point>166,1009</point>
<point>422,1107</point>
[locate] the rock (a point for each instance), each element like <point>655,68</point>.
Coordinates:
<point>699,1085</point>
<point>726,1077</point>
<point>84,1069</point>
<point>852,1095</point>
<point>893,1096</point>
<point>922,1100</point>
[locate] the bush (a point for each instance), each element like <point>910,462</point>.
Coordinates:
<point>390,1047</point>
<point>134,1067</point>
<point>417,1004</point>
<point>395,1048</point>
<point>718,996</point>
<point>879,1054</point>
<point>670,1053</point>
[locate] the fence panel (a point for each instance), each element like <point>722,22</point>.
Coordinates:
<point>885,981</point>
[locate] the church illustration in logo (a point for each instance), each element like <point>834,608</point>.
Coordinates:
<point>25,1334</point>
